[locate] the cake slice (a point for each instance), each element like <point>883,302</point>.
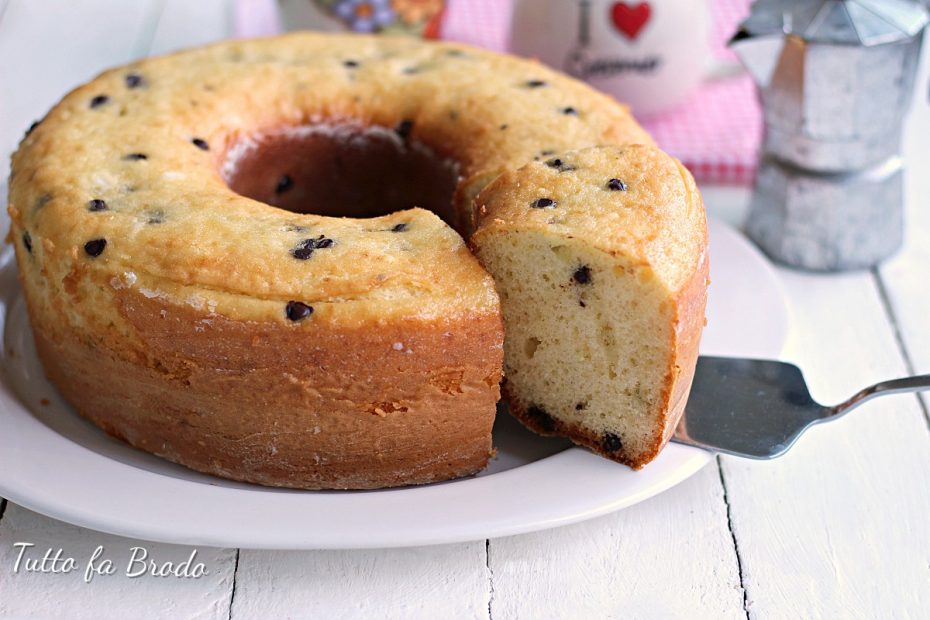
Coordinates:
<point>599,259</point>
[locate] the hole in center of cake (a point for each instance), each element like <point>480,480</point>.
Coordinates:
<point>342,170</point>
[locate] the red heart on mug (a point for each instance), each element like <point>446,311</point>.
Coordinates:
<point>630,19</point>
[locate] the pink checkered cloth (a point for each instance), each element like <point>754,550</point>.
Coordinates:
<point>716,134</point>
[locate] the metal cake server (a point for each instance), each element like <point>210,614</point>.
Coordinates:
<point>758,408</point>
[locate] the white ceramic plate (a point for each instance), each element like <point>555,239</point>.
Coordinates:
<point>56,463</point>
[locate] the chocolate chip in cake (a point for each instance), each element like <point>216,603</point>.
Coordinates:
<point>155,216</point>
<point>410,70</point>
<point>399,227</point>
<point>541,419</point>
<point>582,275</point>
<point>32,128</point>
<point>284,183</point>
<point>97,205</point>
<point>404,128</point>
<point>350,64</point>
<point>133,80</point>
<point>611,442</point>
<point>535,83</point>
<point>580,406</point>
<point>41,201</point>
<point>559,165</point>
<point>98,101</point>
<point>201,144</point>
<point>135,157</point>
<point>305,248</point>
<point>616,185</point>
<point>301,253</point>
<point>95,247</point>
<point>569,111</point>
<point>27,241</point>
<point>504,126</point>
<point>297,310</point>
<point>543,203</point>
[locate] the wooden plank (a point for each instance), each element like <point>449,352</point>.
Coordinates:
<point>448,581</point>
<point>185,24</point>
<point>669,557</point>
<point>905,278</point>
<point>839,527</point>
<point>118,595</point>
<point>88,36</point>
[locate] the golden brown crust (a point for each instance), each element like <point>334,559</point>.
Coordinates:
<point>691,304</point>
<point>407,404</point>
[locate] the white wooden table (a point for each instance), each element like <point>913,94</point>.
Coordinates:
<point>839,528</point>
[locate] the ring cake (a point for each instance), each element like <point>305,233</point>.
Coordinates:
<point>248,259</point>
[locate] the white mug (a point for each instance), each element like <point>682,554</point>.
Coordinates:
<point>650,54</point>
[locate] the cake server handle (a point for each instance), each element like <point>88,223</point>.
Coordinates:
<point>917,383</point>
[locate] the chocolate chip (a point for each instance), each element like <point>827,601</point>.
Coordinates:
<point>570,111</point>
<point>155,216</point>
<point>97,205</point>
<point>582,275</point>
<point>350,64</point>
<point>133,80</point>
<point>611,442</point>
<point>404,128</point>
<point>41,201</point>
<point>27,241</point>
<point>543,203</point>
<point>580,406</point>
<point>297,310</point>
<point>399,227</point>
<point>535,83</point>
<point>201,144</point>
<point>559,165</point>
<point>284,183</point>
<point>546,153</point>
<point>98,101</point>
<point>616,185</point>
<point>540,418</point>
<point>302,253</point>
<point>504,126</point>
<point>305,248</point>
<point>95,247</point>
<point>135,157</point>
<point>32,128</point>
<point>411,70</point>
